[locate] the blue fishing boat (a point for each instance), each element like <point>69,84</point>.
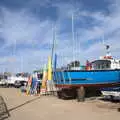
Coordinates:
<point>104,72</point>
<point>74,80</point>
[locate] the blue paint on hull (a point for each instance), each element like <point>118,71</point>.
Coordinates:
<point>92,77</point>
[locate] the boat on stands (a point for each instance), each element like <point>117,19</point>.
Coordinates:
<point>101,73</point>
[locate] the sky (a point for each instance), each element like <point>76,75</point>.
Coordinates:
<point>27,29</point>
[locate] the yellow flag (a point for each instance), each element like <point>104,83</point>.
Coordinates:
<point>44,80</point>
<point>49,68</point>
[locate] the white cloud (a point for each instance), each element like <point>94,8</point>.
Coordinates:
<point>26,29</point>
<point>23,27</point>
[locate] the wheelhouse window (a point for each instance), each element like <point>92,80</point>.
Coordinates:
<point>101,65</point>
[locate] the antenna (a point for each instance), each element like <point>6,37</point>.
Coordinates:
<point>103,39</point>
<point>107,47</point>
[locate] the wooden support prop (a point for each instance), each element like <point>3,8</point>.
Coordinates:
<point>81,94</point>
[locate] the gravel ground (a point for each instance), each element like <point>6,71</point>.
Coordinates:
<point>23,107</point>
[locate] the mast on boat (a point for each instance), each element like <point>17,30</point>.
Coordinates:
<point>13,59</point>
<point>73,35</point>
<point>107,49</point>
<point>53,44</point>
<point>73,38</point>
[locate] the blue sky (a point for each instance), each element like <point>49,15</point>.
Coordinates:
<point>26,31</point>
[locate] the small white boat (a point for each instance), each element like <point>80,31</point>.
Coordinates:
<point>16,81</point>
<point>112,93</point>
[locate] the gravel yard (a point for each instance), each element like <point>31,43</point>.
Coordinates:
<point>23,107</point>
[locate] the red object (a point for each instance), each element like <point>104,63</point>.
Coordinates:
<point>107,57</point>
<point>88,65</point>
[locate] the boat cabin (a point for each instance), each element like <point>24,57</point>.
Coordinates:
<point>106,63</point>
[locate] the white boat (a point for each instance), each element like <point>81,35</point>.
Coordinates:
<point>112,93</point>
<point>16,81</point>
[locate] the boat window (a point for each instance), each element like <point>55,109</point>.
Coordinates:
<point>101,64</point>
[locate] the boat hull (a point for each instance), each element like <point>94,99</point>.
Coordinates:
<point>92,78</point>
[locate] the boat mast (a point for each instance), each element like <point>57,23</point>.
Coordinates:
<point>21,63</point>
<point>103,41</point>
<point>53,44</point>
<point>107,47</point>
<point>73,37</point>
<point>14,58</point>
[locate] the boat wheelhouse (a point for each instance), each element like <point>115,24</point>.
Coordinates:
<point>106,63</point>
